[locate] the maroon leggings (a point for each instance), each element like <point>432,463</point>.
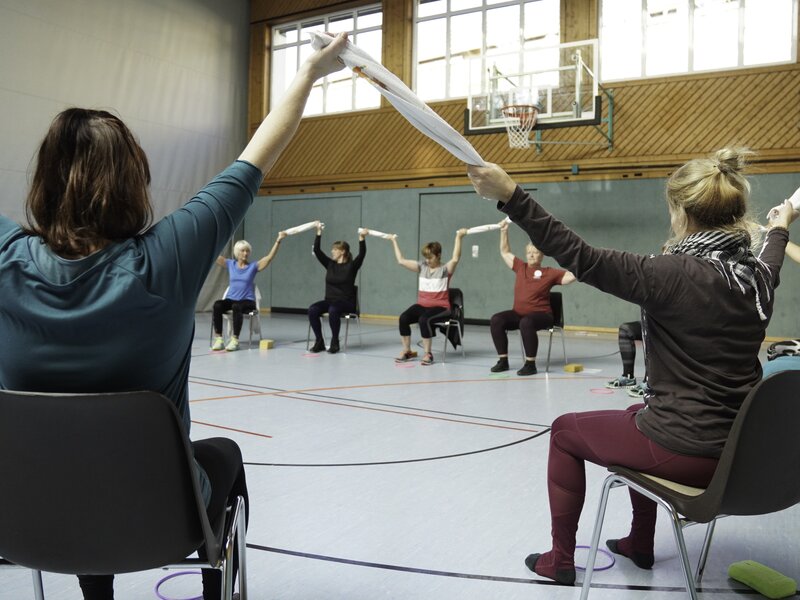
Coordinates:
<point>609,437</point>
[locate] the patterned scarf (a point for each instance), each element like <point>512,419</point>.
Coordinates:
<point>730,254</point>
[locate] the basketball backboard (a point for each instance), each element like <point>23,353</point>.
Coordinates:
<point>561,81</point>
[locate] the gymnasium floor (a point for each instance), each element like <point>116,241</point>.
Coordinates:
<point>370,480</point>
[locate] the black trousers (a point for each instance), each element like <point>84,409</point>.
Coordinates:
<point>222,461</point>
<point>335,310</point>
<point>425,316</point>
<point>528,325</point>
<point>237,307</point>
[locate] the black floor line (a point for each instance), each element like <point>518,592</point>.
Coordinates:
<point>398,462</point>
<point>286,394</point>
<point>606,586</point>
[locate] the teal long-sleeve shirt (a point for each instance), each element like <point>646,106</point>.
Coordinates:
<point>122,318</point>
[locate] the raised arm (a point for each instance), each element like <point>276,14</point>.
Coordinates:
<point>793,251</point>
<point>505,249</point>
<point>323,258</point>
<point>362,248</point>
<point>277,129</point>
<point>453,262</point>
<point>220,261</point>
<point>568,278</point>
<point>264,262</point>
<point>408,264</point>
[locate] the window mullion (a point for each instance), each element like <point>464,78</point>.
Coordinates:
<point>742,7</point>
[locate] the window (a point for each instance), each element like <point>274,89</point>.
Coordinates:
<point>451,34</point>
<point>643,38</point>
<point>340,91</point>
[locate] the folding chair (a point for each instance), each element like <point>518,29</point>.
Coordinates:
<point>352,316</point>
<point>454,324</point>
<point>253,317</point>
<point>106,483</point>
<point>756,474</point>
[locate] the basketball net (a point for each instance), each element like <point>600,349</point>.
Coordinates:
<point>519,120</point>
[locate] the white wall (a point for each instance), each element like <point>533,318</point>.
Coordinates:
<point>174,70</point>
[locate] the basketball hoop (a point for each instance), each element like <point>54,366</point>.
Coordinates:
<point>519,120</point>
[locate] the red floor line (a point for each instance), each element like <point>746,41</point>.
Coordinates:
<point>264,435</point>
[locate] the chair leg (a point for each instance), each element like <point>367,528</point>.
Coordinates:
<point>701,564</point>
<point>549,348</point>
<point>444,349</point>
<point>677,528</point>
<point>38,586</point>
<point>241,538</point>
<point>346,331</point>
<point>563,346</point>
<point>609,483</point>
<point>461,341</point>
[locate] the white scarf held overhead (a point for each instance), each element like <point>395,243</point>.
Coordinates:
<point>376,233</point>
<point>482,228</point>
<point>407,103</point>
<point>302,228</point>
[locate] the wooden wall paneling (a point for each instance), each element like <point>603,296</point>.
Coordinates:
<point>276,11</point>
<point>398,28</point>
<point>258,87</point>
<point>579,20</point>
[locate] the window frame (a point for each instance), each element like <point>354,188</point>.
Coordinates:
<point>483,8</point>
<point>690,50</point>
<point>324,83</point>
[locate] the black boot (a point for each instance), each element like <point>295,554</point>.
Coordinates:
<point>501,365</point>
<point>529,368</point>
<point>318,346</point>
<point>334,347</point>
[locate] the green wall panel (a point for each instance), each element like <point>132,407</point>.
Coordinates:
<point>629,215</point>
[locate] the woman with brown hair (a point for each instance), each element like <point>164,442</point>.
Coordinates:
<point>341,270</point>
<point>433,296</point>
<point>99,302</point>
<point>706,302</point>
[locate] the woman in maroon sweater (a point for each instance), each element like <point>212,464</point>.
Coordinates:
<point>706,302</point>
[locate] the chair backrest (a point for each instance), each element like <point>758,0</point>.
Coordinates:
<point>97,483</point>
<point>457,304</point>
<point>759,470</point>
<point>557,306</point>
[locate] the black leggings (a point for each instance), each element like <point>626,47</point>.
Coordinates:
<point>528,325</point>
<point>335,310</point>
<point>628,334</point>
<point>237,307</point>
<point>222,461</point>
<point>425,315</point>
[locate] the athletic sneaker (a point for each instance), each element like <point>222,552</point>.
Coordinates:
<point>233,345</point>
<point>219,343</point>
<point>637,391</point>
<point>622,382</point>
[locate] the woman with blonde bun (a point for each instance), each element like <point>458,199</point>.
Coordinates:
<point>706,302</point>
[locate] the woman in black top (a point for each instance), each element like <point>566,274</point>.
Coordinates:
<point>340,288</point>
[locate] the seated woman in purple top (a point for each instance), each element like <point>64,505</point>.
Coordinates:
<point>88,259</point>
<point>240,298</point>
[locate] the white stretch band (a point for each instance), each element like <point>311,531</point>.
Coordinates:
<point>380,234</point>
<point>303,227</point>
<point>489,227</point>
<point>795,199</point>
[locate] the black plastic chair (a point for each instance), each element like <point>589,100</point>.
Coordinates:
<point>352,316</point>
<point>453,326</point>
<point>100,484</point>
<point>557,306</point>
<point>757,474</point>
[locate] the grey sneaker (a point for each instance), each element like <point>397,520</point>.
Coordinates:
<point>637,391</point>
<point>233,345</point>
<point>219,343</point>
<point>621,382</point>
